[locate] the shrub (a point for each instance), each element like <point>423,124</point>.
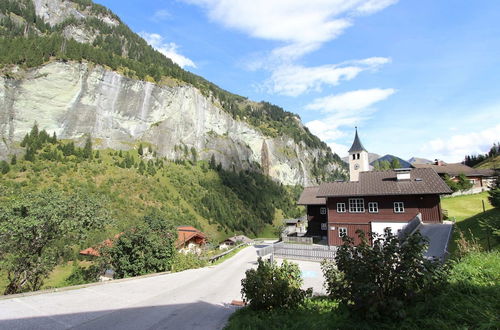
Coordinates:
<point>82,275</point>
<point>379,280</point>
<point>183,261</point>
<point>271,286</point>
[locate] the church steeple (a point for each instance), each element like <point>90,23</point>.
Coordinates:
<point>357,145</point>
<point>358,158</point>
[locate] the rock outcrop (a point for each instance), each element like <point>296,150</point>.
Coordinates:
<point>75,99</point>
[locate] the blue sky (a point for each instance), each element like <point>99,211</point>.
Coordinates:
<point>418,77</point>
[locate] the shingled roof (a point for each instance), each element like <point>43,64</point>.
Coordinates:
<point>456,169</point>
<point>423,181</point>
<point>308,197</point>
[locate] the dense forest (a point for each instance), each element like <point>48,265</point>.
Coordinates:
<point>224,201</point>
<point>28,41</point>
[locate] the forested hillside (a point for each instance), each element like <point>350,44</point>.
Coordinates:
<point>186,192</point>
<point>26,40</point>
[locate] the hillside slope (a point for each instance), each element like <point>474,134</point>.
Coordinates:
<point>76,69</point>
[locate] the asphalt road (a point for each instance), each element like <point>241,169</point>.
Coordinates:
<point>193,299</point>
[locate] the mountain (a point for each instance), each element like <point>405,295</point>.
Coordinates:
<point>77,70</point>
<point>417,160</point>
<point>389,158</point>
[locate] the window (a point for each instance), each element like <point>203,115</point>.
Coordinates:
<point>357,156</point>
<point>340,207</point>
<point>356,205</point>
<point>342,231</point>
<point>324,226</point>
<point>399,207</point>
<point>373,207</point>
<point>322,210</point>
<point>353,156</point>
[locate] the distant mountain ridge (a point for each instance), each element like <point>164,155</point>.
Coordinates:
<point>417,160</point>
<point>389,158</point>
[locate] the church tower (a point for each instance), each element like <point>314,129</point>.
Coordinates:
<point>358,159</point>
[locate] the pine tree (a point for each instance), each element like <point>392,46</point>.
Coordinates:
<point>4,167</point>
<point>13,160</point>
<point>140,151</point>
<point>212,165</point>
<point>87,149</point>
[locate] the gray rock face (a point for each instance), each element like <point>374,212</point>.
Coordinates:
<point>75,99</point>
<point>56,11</point>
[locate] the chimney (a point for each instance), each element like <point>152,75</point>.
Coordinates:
<point>402,174</point>
<point>438,162</point>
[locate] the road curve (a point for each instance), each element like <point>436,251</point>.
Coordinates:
<point>192,299</point>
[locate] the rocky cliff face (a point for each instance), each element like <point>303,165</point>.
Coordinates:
<point>75,99</point>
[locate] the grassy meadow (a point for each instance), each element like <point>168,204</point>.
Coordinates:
<point>468,212</point>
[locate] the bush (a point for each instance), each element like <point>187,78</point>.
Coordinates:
<point>82,275</point>
<point>379,280</point>
<point>271,286</point>
<point>183,261</point>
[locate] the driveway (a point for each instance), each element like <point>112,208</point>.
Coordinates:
<point>193,299</point>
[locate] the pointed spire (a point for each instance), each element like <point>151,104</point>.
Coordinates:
<point>357,145</point>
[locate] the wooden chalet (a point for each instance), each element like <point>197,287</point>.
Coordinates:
<point>190,239</point>
<point>373,200</point>
<point>480,178</point>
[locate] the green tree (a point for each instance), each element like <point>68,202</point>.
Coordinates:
<point>13,160</point>
<point>494,194</point>
<point>140,150</point>
<point>34,229</point>
<point>395,163</point>
<point>379,280</point>
<point>452,184</point>
<point>87,149</point>
<point>385,165</point>
<point>4,167</point>
<point>148,248</point>
<point>464,183</point>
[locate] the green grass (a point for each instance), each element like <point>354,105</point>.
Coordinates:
<point>491,162</point>
<point>468,212</point>
<point>468,301</point>
<point>229,255</point>
<point>58,276</point>
<point>463,207</point>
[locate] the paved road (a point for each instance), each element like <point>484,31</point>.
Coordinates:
<point>193,299</point>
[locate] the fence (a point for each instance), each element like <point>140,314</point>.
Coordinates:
<point>300,240</point>
<point>299,251</point>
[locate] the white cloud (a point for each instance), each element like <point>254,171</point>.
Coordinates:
<point>302,24</point>
<point>294,80</point>
<point>169,49</point>
<point>161,15</point>
<point>354,100</point>
<point>339,149</point>
<point>454,148</point>
<point>346,109</point>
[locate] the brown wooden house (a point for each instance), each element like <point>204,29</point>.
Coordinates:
<point>316,212</point>
<point>381,199</point>
<point>480,178</point>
